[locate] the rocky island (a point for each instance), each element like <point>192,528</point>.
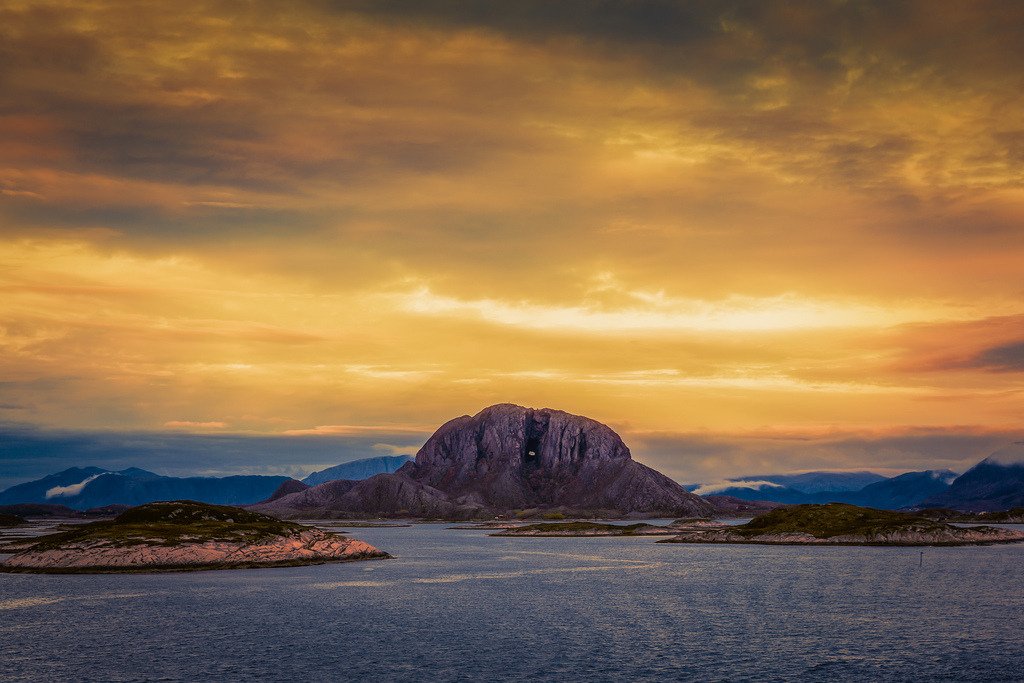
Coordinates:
<point>842,524</point>
<point>505,460</point>
<point>577,529</point>
<point>185,536</point>
<point>1011,516</point>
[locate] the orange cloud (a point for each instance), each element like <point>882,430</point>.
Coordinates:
<point>391,214</point>
<point>192,424</point>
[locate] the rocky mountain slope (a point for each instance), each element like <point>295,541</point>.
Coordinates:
<point>507,458</point>
<point>995,483</point>
<point>902,491</point>
<point>45,511</point>
<point>287,487</point>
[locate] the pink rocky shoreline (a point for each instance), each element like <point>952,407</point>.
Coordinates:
<point>312,546</point>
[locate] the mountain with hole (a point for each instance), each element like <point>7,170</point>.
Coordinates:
<point>506,459</point>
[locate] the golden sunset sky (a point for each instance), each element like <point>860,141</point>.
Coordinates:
<point>751,236</point>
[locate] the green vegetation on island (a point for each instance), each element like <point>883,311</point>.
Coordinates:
<point>843,524</point>
<point>174,523</point>
<point>184,536</point>
<point>1011,516</point>
<point>835,519</point>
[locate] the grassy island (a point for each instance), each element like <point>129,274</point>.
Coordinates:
<point>836,519</point>
<point>842,524</point>
<point>1011,516</point>
<point>185,535</point>
<point>174,524</point>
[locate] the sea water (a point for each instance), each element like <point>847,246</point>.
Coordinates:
<point>465,606</point>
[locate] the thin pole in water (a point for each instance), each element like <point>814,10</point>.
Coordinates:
<point>921,561</point>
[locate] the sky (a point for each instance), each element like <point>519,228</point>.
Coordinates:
<point>753,237</point>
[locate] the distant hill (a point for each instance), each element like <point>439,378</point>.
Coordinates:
<point>841,524</point>
<point>824,482</point>
<point>790,488</point>
<point>727,506</point>
<point>288,487</point>
<point>40,510</point>
<point>82,488</point>
<point>46,511</point>
<point>357,470</point>
<point>995,483</point>
<point>905,490</point>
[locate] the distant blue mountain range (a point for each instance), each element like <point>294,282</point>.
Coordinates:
<point>995,483</point>
<point>82,488</point>
<point>857,488</point>
<point>358,470</point>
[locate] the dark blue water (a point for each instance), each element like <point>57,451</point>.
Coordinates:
<point>462,606</point>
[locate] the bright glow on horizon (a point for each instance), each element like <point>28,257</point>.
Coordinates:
<point>787,312</point>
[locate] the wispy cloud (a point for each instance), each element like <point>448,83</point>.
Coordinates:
<point>394,449</point>
<point>707,489</point>
<point>193,424</point>
<point>70,489</point>
<point>1012,454</point>
<point>354,430</point>
<point>664,314</point>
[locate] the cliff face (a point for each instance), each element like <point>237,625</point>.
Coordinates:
<point>507,458</point>
<point>511,457</point>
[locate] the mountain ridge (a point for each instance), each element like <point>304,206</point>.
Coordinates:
<point>82,488</point>
<point>995,483</point>
<point>355,470</point>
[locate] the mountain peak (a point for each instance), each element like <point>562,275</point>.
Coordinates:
<point>519,437</point>
<point>1011,455</point>
<point>511,457</point>
<point>995,483</point>
<point>357,470</point>
<point>508,458</point>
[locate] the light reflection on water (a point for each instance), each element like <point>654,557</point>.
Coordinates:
<point>460,605</point>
